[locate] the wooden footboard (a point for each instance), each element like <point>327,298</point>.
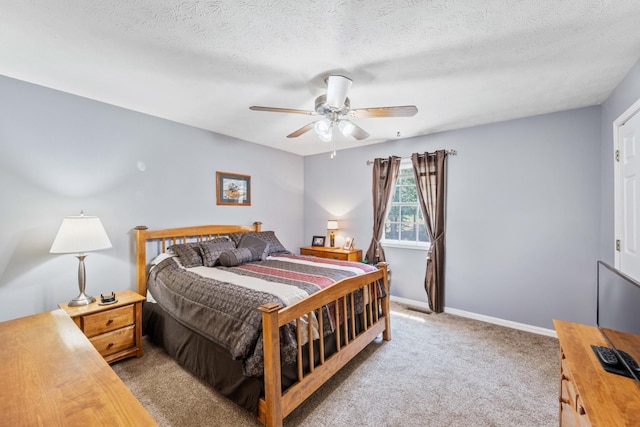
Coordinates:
<point>349,342</point>
<point>349,339</point>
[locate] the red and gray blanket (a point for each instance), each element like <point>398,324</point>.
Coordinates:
<point>222,303</point>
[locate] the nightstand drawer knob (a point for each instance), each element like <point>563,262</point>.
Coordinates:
<point>110,345</point>
<point>110,321</point>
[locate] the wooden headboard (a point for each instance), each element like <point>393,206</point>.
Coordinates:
<point>171,236</point>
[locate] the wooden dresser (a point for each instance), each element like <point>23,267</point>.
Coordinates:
<point>53,376</point>
<point>590,396</point>
<point>334,253</point>
<point>115,330</point>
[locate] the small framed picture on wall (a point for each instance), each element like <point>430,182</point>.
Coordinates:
<point>233,189</point>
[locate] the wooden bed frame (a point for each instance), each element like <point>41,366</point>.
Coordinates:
<point>276,405</point>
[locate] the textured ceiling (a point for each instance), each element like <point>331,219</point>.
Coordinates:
<point>203,63</point>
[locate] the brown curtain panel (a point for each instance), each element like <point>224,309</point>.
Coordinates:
<point>385,174</point>
<point>430,170</point>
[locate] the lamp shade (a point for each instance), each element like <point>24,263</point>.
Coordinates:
<point>80,234</point>
<point>332,224</point>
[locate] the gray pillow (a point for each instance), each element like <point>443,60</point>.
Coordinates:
<point>189,254</point>
<point>268,236</point>
<point>234,257</point>
<point>211,250</point>
<point>258,247</point>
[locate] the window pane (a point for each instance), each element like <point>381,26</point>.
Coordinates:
<point>396,195</point>
<point>408,232</point>
<point>404,180</point>
<point>391,230</point>
<point>422,233</point>
<point>394,214</point>
<point>409,213</point>
<point>409,195</point>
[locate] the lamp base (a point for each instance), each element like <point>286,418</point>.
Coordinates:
<point>81,299</point>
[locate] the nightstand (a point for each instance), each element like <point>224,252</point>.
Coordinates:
<point>115,330</point>
<point>334,253</point>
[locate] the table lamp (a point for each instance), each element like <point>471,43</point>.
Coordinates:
<point>332,226</point>
<point>78,235</point>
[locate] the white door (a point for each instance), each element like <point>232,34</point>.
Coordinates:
<point>628,192</point>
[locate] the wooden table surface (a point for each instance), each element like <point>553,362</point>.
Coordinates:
<point>609,399</point>
<point>52,376</point>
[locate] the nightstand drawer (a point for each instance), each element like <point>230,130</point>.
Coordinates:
<point>110,320</point>
<point>115,341</point>
<point>344,257</point>
<point>324,254</point>
<point>307,252</point>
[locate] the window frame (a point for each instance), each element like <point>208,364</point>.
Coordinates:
<point>405,164</point>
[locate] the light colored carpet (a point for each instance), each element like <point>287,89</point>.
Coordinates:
<point>438,370</point>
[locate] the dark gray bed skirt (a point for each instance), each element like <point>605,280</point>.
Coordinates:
<point>204,358</point>
<point>214,364</point>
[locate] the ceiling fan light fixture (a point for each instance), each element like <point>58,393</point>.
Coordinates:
<point>334,110</point>
<point>324,129</point>
<point>346,127</point>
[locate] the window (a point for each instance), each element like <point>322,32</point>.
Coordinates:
<point>404,225</point>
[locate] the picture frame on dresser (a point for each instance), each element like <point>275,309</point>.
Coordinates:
<point>348,243</point>
<point>318,241</point>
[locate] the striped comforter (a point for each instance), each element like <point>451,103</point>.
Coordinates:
<point>221,303</point>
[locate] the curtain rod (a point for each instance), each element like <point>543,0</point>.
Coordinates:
<point>449,152</point>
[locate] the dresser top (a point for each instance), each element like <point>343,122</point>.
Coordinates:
<point>609,399</point>
<point>329,249</point>
<point>52,375</point>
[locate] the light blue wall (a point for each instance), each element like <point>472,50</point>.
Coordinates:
<point>530,201</point>
<point>523,215</point>
<point>60,153</point>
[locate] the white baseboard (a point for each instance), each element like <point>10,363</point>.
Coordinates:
<point>496,321</point>
<point>411,302</point>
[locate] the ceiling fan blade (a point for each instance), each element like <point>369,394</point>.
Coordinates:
<point>400,111</point>
<point>283,110</point>
<point>337,89</point>
<point>303,129</point>
<point>348,128</point>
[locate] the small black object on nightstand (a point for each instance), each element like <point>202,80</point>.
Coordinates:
<point>108,299</point>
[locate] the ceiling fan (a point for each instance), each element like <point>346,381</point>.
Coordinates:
<point>335,108</point>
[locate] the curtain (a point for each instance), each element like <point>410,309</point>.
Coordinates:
<point>429,170</point>
<point>385,174</point>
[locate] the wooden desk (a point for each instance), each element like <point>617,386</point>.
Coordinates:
<point>590,396</point>
<point>53,376</point>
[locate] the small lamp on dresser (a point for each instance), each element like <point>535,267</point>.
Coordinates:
<point>78,235</point>
<point>332,226</point>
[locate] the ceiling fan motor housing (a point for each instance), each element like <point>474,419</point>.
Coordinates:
<point>324,109</point>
